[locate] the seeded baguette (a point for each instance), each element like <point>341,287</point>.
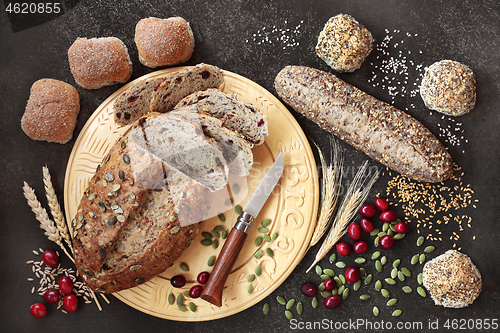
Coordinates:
<point>383,132</point>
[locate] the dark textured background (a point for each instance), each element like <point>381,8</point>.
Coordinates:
<point>465,31</point>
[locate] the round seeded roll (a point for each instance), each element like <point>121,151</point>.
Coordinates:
<point>449,87</point>
<point>99,62</point>
<point>164,42</point>
<point>51,111</point>
<point>344,43</point>
<point>452,280</point>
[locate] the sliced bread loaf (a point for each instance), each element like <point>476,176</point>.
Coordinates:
<point>134,102</point>
<point>237,151</point>
<point>184,83</point>
<point>241,117</point>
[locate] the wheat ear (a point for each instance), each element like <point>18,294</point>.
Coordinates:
<point>330,189</point>
<point>354,198</point>
<point>41,215</point>
<point>55,208</point>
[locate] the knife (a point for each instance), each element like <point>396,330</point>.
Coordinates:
<point>234,242</point>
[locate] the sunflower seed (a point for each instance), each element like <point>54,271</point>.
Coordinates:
<point>397,313</point>
<point>390,281</point>
<point>429,249</point>
<point>364,297</point>
<point>385,293</point>
<point>109,176</point>
<point>126,159</point>
<point>340,264</point>
<point>420,278</point>
<point>359,260</point>
<point>184,267</point>
<point>270,252</point>
<point>332,258</point>
<point>121,174</point>
<point>414,259</point>
<point>281,300</point>
<point>258,254</point>
<point>120,218</point>
<point>175,229</point>
<point>135,267</point>
<point>288,315</point>
<point>112,220</point>
<point>211,261</point>
<point>420,240</point>
<point>92,196</point>
<point>171,299</point>
<point>123,145</point>
<point>375,311</point>
<point>258,270</point>
<point>368,279</point>
<point>290,304</point>
<point>392,302</point>
<point>265,308</point>
<point>299,308</point>
<point>222,217</point>
<point>421,292</point>
<point>407,289</point>
<point>314,302</point>
<point>266,222</point>
<point>421,258</point>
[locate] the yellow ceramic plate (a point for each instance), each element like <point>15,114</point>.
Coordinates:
<point>292,207</point>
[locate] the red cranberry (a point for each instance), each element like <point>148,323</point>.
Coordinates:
<point>360,247</point>
<point>178,281</point>
<point>309,289</point>
<point>65,284</point>
<point>402,227</point>
<point>344,249</point>
<point>329,284</point>
<point>386,242</point>
<point>331,302</point>
<point>388,216</point>
<point>52,296</point>
<point>195,291</point>
<point>38,310</point>
<point>366,224</point>
<point>368,210</point>
<point>354,231</point>
<point>352,274</point>
<point>381,204</point>
<point>202,278</point>
<point>71,303</point>
<point>50,258</point>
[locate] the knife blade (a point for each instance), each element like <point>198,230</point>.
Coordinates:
<point>234,242</point>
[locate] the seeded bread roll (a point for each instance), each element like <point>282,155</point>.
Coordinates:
<point>383,132</point>
<point>183,83</point>
<point>452,280</point>
<point>241,117</point>
<point>344,43</point>
<point>51,111</point>
<point>164,42</point>
<point>449,87</point>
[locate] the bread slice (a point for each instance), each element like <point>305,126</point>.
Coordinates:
<point>134,102</point>
<point>241,117</point>
<point>237,151</point>
<point>184,83</point>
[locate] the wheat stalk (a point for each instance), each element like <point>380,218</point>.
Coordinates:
<point>330,189</point>
<point>55,208</point>
<point>354,198</point>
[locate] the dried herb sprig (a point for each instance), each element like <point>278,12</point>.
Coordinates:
<point>330,189</point>
<point>354,198</point>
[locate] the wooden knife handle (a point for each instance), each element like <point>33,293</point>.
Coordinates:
<point>223,266</point>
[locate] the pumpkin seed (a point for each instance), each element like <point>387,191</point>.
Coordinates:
<point>270,252</point>
<point>318,269</point>
<point>265,308</point>
<point>211,261</point>
<point>396,263</point>
<point>112,220</point>
<point>364,297</point>
<point>182,307</point>
<point>192,306</point>
<point>224,234</point>
<point>406,272</point>
<point>258,254</point>
<point>288,315</point>
<point>421,292</point>
<point>385,293</point>
<point>414,259</point>
<point>407,289</point>
<point>215,234</point>
<point>398,236</point>
<point>206,242</point>
<point>329,272</point>
<point>420,240</point>
<point>314,302</point>
<point>378,266</point>
<point>238,209</point>
<point>368,279</point>
<point>429,249</point>
<point>421,258</point>
<point>340,264</point>
<point>397,313</point>
<point>390,281</point>
<point>392,302</point>
<point>290,304</point>
<point>362,272</point>
<point>299,308</point>
<point>341,289</point>
<point>266,222</point>
<point>258,270</point>
<point>229,202</point>
<point>171,299</point>
<point>390,233</point>
<point>92,196</point>
<point>173,218</point>
<point>385,227</point>
<point>335,291</point>
<point>356,285</point>
<point>116,187</point>
<point>206,235</point>
<point>401,276</point>
<point>374,232</point>
<point>420,278</point>
<point>375,242</point>
<point>222,217</point>
<point>332,258</point>
<point>250,288</point>
<point>378,285</point>
<point>236,188</point>
<point>382,234</point>
<point>215,243</point>
<point>184,267</point>
<point>274,236</point>
<point>337,281</point>
<point>359,260</point>
<point>383,260</point>
<point>376,311</point>
<point>376,255</point>
<point>321,287</point>
<point>180,299</point>
<point>345,293</point>
<point>267,238</point>
<point>258,241</point>
<point>394,273</point>
<point>342,278</point>
<point>281,300</point>
<point>175,229</point>
<point>324,277</point>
